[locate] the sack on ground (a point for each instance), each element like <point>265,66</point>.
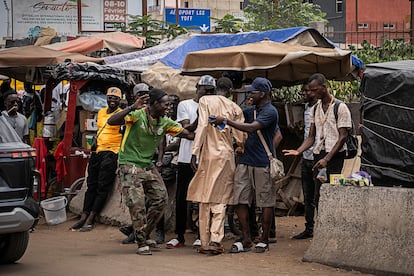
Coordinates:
<point>277,170</point>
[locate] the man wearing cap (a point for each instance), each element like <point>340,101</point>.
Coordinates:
<point>102,163</point>
<point>139,90</point>
<point>187,116</point>
<point>140,180</point>
<point>252,175</point>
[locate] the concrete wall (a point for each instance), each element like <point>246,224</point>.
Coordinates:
<point>367,229</point>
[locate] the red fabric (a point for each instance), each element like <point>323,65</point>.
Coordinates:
<point>60,162</point>
<point>41,156</point>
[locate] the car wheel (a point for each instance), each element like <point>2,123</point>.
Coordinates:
<point>13,246</point>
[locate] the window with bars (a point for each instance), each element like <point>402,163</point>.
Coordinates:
<point>362,25</point>
<point>339,6</point>
<point>389,26</point>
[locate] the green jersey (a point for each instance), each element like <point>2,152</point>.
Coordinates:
<point>142,137</point>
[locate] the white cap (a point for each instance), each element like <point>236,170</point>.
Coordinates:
<point>207,80</point>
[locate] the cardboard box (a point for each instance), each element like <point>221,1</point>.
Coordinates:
<point>91,125</point>
<point>83,115</point>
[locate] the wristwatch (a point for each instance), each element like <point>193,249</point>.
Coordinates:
<point>158,164</point>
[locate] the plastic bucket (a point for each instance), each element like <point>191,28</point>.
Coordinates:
<point>54,209</point>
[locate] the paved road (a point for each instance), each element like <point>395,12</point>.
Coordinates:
<point>55,250</point>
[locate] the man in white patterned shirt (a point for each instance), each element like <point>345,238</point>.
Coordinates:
<point>327,134</point>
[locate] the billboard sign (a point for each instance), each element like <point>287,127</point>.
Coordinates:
<point>29,16</point>
<point>193,19</point>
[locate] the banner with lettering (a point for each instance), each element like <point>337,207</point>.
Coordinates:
<point>29,16</point>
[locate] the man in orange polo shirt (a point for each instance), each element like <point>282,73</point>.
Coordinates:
<point>102,164</point>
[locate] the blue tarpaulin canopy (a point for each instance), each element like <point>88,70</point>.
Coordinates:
<point>298,35</point>
<point>166,73</point>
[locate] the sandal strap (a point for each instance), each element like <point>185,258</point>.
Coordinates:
<point>239,246</point>
<point>262,244</point>
<point>173,242</point>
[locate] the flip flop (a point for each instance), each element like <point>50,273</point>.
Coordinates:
<point>261,247</point>
<point>238,247</point>
<point>174,243</point>
<point>77,225</point>
<point>86,228</point>
<point>215,248</point>
<point>144,250</point>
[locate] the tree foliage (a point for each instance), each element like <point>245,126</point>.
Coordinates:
<point>390,50</point>
<point>228,24</point>
<point>152,29</point>
<point>265,15</point>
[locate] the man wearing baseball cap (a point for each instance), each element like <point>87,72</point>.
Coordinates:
<point>140,89</point>
<point>252,176</point>
<point>102,164</point>
<point>187,116</point>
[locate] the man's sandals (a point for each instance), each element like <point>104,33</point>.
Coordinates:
<point>238,247</point>
<point>150,245</point>
<point>213,248</point>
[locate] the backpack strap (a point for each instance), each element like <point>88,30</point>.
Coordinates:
<point>336,107</point>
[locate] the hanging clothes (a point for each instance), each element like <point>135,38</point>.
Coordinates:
<point>60,162</point>
<point>41,156</point>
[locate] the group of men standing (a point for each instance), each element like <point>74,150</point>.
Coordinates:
<point>212,127</point>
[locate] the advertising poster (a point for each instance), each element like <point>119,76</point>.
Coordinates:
<point>29,16</point>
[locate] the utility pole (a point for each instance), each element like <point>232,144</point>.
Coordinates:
<point>356,16</point>
<point>8,17</point>
<point>79,16</point>
<point>176,12</point>
<point>144,7</point>
<point>412,23</point>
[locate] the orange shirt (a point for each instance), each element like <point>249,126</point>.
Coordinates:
<point>109,138</point>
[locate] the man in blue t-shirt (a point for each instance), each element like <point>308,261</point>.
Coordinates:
<point>252,175</point>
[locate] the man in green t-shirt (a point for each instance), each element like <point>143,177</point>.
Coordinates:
<point>143,189</point>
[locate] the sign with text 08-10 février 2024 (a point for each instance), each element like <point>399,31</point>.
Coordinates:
<point>190,18</point>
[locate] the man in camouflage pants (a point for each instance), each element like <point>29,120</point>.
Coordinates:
<point>140,180</point>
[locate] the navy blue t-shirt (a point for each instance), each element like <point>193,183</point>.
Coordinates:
<point>254,153</point>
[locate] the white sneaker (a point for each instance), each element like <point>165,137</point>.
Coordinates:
<point>197,243</point>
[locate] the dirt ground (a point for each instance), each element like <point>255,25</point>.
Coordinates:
<point>56,250</point>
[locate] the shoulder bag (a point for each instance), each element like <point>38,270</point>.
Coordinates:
<point>277,170</point>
